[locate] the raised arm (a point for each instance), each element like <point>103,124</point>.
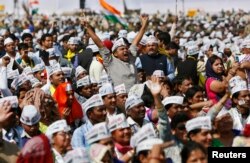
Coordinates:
<point>221,86</point>
<point>164,125</point>
<point>104,52</point>
<point>133,47</point>
<point>173,28</point>
<point>216,108</point>
<point>144,25</point>
<point>92,34</point>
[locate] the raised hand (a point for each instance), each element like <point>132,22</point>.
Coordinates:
<point>175,19</point>
<point>144,20</point>
<point>6,61</point>
<point>155,154</point>
<point>5,111</point>
<point>155,86</point>
<point>85,22</point>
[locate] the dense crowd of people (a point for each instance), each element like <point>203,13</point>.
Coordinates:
<point>159,89</point>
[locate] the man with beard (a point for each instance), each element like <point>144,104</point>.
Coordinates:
<point>153,60</point>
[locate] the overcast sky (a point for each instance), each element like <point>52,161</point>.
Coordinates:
<point>148,6</point>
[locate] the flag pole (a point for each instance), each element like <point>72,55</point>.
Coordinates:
<point>183,7</point>
<point>176,7</point>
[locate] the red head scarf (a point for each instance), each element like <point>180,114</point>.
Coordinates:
<point>36,150</point>
<point>108,44</point>
<point>61,98</point>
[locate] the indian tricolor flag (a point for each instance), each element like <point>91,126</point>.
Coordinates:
<point>34,5</point>
<point>112,14</point>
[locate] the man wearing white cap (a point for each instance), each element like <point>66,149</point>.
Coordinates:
<point>72,53</point>
<point>136,113</point>
<point>108,95</point>
<point>121,96</point>
<point>199,130</point>
<point>80,72</point>
<point>84,89</point>
<point>37,71</point>
<point>245,46</point>
<point>96,67</point>
<point>241,100</point>
<point>94,112</point>
<point>173,104</point>
<point>10,49</point>
<point>100,134</point>
<point>120,65</point>
<point>56,77</point>
<point>29,119</point>
<point>153,58</point>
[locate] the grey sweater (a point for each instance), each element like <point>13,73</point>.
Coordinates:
<point>119,71</point>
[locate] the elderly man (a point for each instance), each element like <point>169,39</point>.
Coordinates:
<point>154,59</point>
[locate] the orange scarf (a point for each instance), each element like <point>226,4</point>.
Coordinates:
<point>61,98</point>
